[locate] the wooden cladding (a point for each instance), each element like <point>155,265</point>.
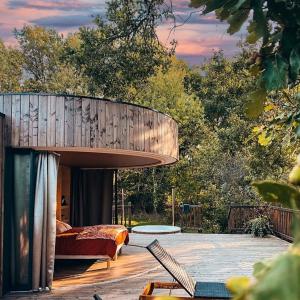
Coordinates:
<point>49,121</point>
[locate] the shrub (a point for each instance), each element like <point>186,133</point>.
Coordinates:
<point>141,202</point>
<point>259,227</point>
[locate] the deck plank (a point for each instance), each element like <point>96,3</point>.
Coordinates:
<point>207,257</point>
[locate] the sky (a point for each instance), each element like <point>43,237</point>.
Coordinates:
<point>196,38</point>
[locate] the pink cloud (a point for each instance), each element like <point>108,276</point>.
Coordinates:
<point>196,38</point>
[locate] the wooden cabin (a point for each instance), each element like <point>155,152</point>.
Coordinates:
<point>92,138</point>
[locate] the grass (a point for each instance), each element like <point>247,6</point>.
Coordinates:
<point>149,219</point>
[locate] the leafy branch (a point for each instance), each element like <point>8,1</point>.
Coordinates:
<point>275,25</point>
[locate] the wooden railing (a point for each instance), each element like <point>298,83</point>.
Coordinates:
<point>124,215</point>
<point>191,217</point>
<point>281,218</point>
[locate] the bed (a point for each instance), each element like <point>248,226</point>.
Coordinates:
<point>101,242</point>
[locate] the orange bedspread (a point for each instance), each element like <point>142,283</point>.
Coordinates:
<point>91,240</point>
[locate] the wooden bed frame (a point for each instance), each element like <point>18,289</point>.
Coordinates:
<point>104,258</point>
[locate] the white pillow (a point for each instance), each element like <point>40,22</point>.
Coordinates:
<point>62,227</point>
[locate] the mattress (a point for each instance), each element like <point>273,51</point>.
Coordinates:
<point>91,240</point>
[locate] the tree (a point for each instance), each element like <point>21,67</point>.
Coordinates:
<point>219,156</point>
<point>10,69</point>
<point>44,64</point>
<point>41,49</point>
<point>165,92</point>
<point>275,25</point>
<point>122,49</point>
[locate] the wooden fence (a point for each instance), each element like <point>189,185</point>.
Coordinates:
<point>281,218</point>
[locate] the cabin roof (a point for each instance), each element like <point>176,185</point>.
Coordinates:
<point>90,132</point>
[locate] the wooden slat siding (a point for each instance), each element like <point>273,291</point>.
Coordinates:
<point>136,144</point>
<point>155,128</point>
<point>42,121</point>
<point>93,123</point>
<point>174,138</point>
<point>24,126</point>
<point>86,129</point>
<point>163,133</point>
<point>109,125</point>
<point>51,128</point>
<point>69,122</point>
<point>116,125</point>
<point>170,134</point>
<point>151,130</point>
<point>141,129</point>
<point>16,119</point>
<point>8,123</point>
<point>101,123</point>
<point>60,122</point>
<point>147,130</point>
<point>123,127</point>
<point>2,120</point>
<point>130,112</point>
<point>158,133</point>
<point>172,145</point>
<point>33,120</point>
<point>77,122</point>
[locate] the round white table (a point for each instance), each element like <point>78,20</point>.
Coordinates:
<point>156,229</point>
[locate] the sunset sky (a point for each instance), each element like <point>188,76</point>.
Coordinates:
<point>196,38</point>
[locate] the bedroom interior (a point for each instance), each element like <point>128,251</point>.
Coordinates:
<point>60,154</point>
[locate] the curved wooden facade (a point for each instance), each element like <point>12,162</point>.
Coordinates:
<point>90,132</point>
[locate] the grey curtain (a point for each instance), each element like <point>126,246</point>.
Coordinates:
<point>44,228</point>
<point>18,215</point>
<point>30,214</point>
<point>92,197</point>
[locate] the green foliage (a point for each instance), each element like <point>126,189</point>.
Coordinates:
<point>10,68</point>
<point>259,227</point>
<point>141,202</point>
<point>122,49</point>
<point>282,193</point>
<point>275,24</point>
<point>219,156</point>
<point>43,51</point>
<point>279,122</point>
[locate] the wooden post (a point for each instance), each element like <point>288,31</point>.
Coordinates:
<point>173,207</point>
<point>116,195</point>
<point>129,214</point>
<point>123,208</point>
<point>199,214</point>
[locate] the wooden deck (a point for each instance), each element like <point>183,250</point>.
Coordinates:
<point>211,257</point>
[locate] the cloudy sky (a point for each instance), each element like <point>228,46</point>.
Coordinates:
<point>196,38</point>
